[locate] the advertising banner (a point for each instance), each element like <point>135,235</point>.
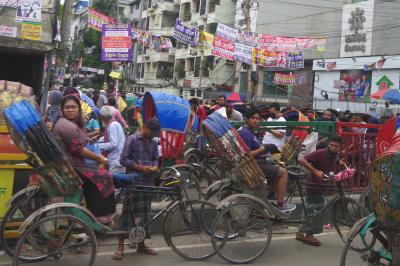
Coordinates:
<point>243,53</point>
<point>296,60</point>
<point>247,38</point>
<point>226,32</point>
<point>8,31</point>
<point>206,40</point>
<point>185,34</point>
<point>284,79</point>
<point>116,42</point>
<point>31,30</point>
<point>269,58</point>
<point>223,48</point>
<point>96,19</point>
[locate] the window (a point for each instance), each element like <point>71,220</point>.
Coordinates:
<point>130,9</point>
<point>137,5</point>
<point>198,93</point>
<point>192,93</point>
<point>121,11</point>
<point>181,92</point>
<point>197,61</point>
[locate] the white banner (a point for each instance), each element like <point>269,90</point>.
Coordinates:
<point>226,32</point>
<point>243,53</point>
<point>6,31</point>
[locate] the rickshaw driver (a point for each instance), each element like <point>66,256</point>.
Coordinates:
<point>276,175</point>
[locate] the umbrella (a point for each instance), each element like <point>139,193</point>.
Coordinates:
<point>392,95</point>
<point>234,97</point>
<point>379,94</point>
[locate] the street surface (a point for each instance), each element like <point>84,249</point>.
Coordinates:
<point>283,250</point>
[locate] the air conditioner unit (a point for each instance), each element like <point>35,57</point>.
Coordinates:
<point>193,51</point>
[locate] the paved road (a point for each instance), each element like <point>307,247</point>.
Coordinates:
<point>284,250</point>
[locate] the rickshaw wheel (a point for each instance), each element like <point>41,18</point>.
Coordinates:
<point>57,239</point>
<point>241,232</point>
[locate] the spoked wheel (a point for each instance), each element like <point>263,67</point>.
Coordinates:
<point>241,232</point>
<point>187,228</point>
<point>20,209</point>
<point>371,254</point>
<point>189,180</point>
<point>346,212</point>
<point>57,240</point>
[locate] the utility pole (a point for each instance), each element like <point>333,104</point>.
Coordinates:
<point>246,10</point>
<point>61,56</point>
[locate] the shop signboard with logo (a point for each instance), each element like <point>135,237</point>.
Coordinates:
<point>357,22</point>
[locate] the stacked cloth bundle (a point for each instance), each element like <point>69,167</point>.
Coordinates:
<point>29,132</point>
<point>232,148</point>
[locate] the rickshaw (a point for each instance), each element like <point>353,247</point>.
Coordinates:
<point>63,229</point>
<point>242,230</point>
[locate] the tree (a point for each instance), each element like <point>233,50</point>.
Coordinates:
<point>92,38</point>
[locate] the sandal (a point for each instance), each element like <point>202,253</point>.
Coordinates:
<point>146,250</point>
<point>118,255</point>
<point>312,241</point>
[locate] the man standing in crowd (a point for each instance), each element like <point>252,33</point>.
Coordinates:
<point>140,157</point>
<point>113,141</point>
<point>274,139</point>
<point>99,99</point>
<point>220,103</point>
<point>320,162</point>
<point>112,104</point>
<point>198,109</point>
<point>230,113</point>
<point>277,176</point>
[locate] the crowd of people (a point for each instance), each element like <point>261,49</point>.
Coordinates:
<point>99,139</point>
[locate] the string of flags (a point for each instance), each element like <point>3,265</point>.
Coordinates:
<point>266,50</point>
<point>329,66</point>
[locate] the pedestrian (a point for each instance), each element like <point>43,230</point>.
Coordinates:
<point>320,162</point>
<point>54,110</point>
<point>112,103</point>
<point>99,99</point>
<point>220,103</point>
<point>274,138</point>
<point>198,110</point>
<point>230,113</point>
<point>113,140</point>
<point>98,186</point>
<point>140,157</point>
<point>93,126</point>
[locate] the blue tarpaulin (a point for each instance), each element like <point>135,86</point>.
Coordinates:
<point>172,112</point>
<point>217,124</point>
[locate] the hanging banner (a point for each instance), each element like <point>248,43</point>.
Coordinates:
<point>243,53</point>
<point>29,10</point>
<point>6,31</point>
<point>320,43</point>
<point>295,60</point>
<point>226,32</point>
<point>223,48</point>
<point>284,79</point>
<point>269,59</point>
<point>206,40</point>
<point>96,19</point>
<point>185,34</point>
<point>116,43</point>
<point>166,43</point>
<point>31,30</point>
<point>287,44</point>
<point>247,38</point>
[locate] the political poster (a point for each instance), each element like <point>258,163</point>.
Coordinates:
<point>206,40</point>
<point>116,42</point>
<point>226,32</point>
<point>29,10</point>
<point>223,48</point>
<point>284,79</point>
<point>247,38</point>
<point>6,31</point>
<point>243,53</point>
<point>296,60</point>
<point>96,20</point>
<point>269,58</point>
<point>31,31</point>
<point>185,34</point>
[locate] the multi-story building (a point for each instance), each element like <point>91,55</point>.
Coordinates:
<point>359,33</point>
<point>182,70</point>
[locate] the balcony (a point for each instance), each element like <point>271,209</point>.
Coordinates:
<point>182,53</point>
<point>169,31</point>
<point>155,56</point>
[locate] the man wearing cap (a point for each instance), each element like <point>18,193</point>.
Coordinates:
<point>113,141</point>
<point>140,157</point>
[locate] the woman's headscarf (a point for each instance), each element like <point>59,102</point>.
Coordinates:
<point>54,111</point>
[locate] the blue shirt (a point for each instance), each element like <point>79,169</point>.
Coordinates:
<point>92,125</point>
<point>251,140</point>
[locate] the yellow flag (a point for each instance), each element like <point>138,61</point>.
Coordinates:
<point>121,104</point>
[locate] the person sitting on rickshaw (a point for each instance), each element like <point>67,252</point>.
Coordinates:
<point>276,175</point>
<point>98,185</point>
<point>274,138</point>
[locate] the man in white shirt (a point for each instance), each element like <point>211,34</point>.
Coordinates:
<point>230,113</point>
<point>113,141</point>
<point>274,139</point>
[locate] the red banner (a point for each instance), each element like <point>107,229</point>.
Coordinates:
<point>385,136</point>
<point>224,44</point>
